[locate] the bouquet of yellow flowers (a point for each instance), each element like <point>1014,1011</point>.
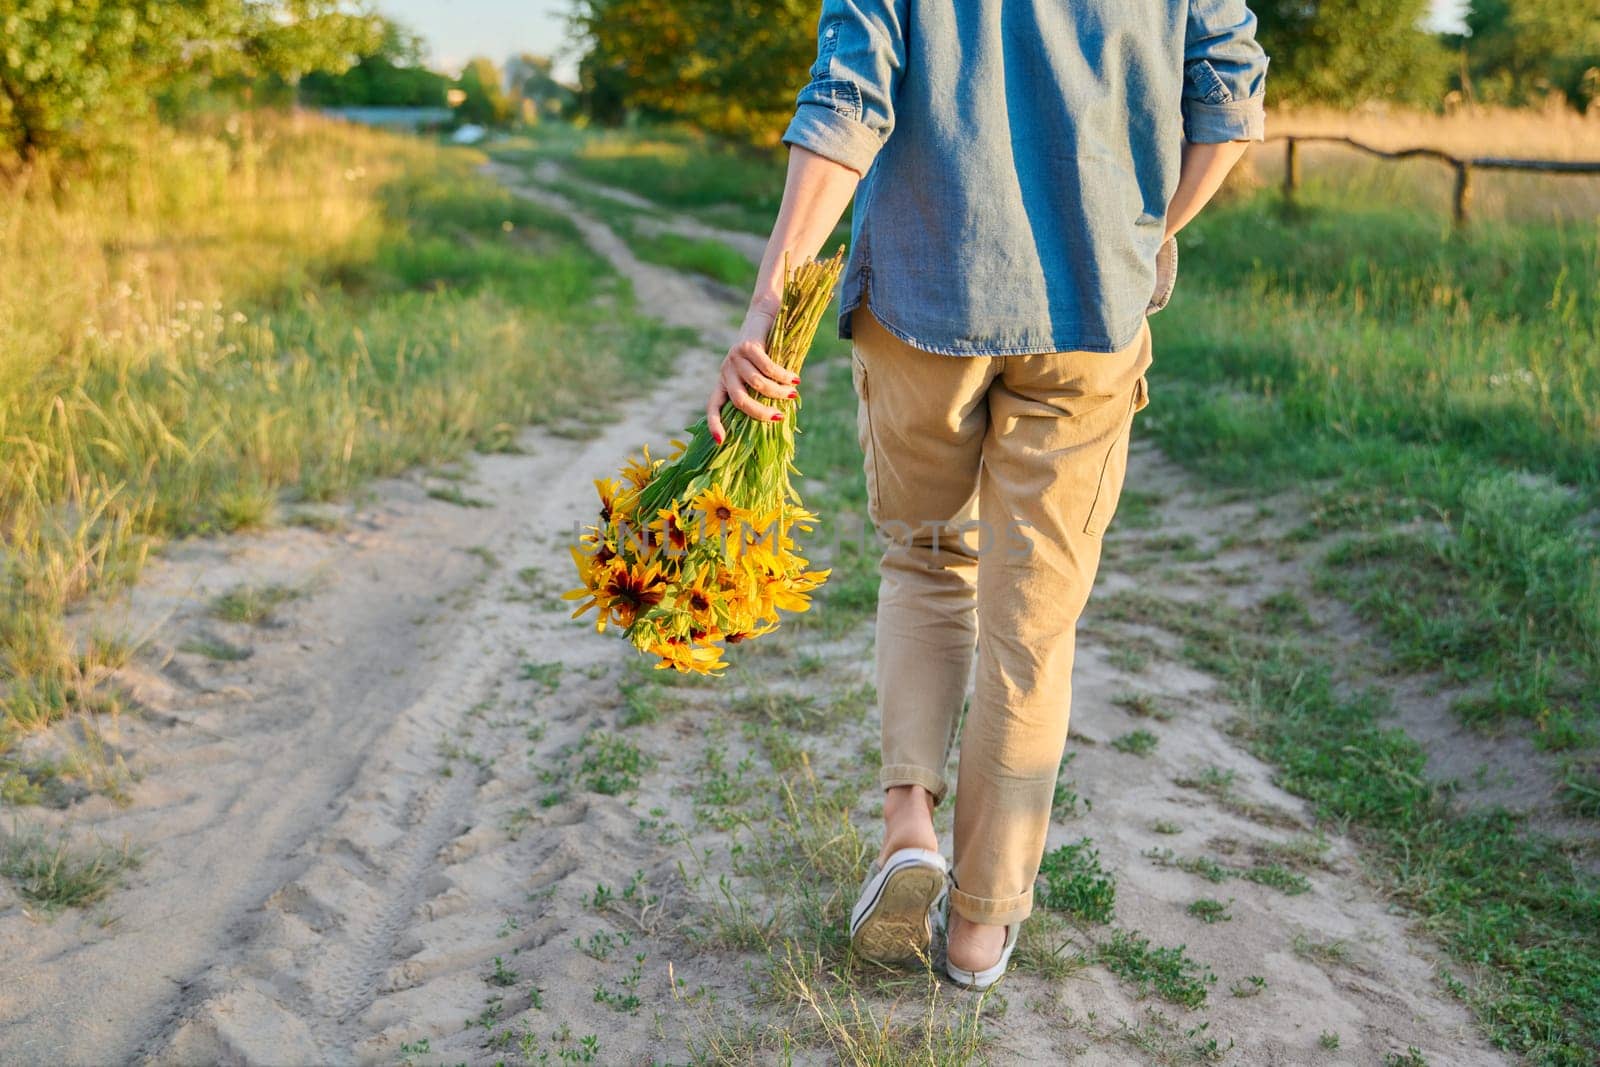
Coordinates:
<point>697,551</point>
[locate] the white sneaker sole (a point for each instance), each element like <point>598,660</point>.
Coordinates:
<point>891,922</point>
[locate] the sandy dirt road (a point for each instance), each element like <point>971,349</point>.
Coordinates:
<point>386,836</point>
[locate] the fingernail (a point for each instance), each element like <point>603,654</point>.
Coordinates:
<point>717,437</point>
<point>778,417</point>
<point>794,396</point>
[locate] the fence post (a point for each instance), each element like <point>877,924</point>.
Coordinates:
<point>1463,195</point>
<point>1291,169</point>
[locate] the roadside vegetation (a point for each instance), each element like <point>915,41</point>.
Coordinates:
<point>248,313</point>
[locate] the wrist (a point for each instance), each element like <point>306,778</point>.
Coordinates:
<point>766,303</point>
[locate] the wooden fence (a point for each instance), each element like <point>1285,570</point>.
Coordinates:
<point>1463,167</point>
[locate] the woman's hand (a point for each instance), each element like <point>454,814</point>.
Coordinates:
<point>747,370</point>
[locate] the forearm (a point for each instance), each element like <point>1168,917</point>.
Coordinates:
<point>815,195</point>
<point>1205,166</point>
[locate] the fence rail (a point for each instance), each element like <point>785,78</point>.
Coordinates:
<point>1462,165</point>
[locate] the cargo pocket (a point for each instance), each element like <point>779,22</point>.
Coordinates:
<point>869,454</point>
<point>1115,468</point>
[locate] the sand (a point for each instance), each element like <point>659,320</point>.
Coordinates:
<point>343,833</point>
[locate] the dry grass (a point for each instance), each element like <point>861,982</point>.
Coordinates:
<point>274,308</point>
<point>1552,133</point>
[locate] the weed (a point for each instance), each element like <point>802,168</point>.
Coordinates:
<point>1327,952</point>
<point>453,494</point>
<point>1248,986</point>
<point>1208,910</point>
<point>624,998</point>
<point>501,975</point>
<point>609,764</point>
<point>1136,743</point>
<point>55,874</point>
<point>546,674</point>
<point>1143,705</point>
<point>1166,972</point>
<point>252,604</point>
<point>216,649</point>
<point>1076,884</point>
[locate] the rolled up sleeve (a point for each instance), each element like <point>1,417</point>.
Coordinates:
<point>846,111</point>
<point>1224,74</point>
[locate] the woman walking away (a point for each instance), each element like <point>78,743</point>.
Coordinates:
<point>1020,168</point>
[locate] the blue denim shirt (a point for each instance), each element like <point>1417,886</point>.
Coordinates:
<point>1019,156</point>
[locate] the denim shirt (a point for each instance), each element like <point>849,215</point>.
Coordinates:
<point>1018,157</point>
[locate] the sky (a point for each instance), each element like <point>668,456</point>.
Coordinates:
<point>457,30</point>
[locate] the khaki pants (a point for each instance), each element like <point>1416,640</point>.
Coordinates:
<point>991,479</point>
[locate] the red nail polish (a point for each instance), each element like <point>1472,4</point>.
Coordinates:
<point>778,417</point>
<point>794,396</point>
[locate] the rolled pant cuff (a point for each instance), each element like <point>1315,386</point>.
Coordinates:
<point>991,911</point>
<point>907,774</point>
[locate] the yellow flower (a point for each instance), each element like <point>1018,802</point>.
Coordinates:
<point>671,533</point>
<point>700,603</point>
<point>596,575</point>
<point>607,488</point>
<point>720,515</point>
<point>640,471</point>
<point>631,589</point>
<point>689,658</point>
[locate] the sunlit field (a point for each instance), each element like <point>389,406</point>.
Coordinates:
<point>1557,133</point>
<point>225,320</point>
<point>242,318</point>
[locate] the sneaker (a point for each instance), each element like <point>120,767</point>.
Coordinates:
<point>977,980</point>
<point>891,921</point>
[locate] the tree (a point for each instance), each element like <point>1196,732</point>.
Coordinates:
<point>391,75</point>
<point>729,66</point>
<point>486,103</point>
<point>69,68</point>
<point>1345,52</point>
<point>534,89</point>
<point>1515,51</point>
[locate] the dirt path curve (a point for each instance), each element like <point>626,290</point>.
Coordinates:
<point>356,849</point>
<point>291,807</point>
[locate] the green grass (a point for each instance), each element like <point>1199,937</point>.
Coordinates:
<point>54,874</point>
<point>1208,910</point>
<point>610,764</point>
<point>697,255</point>
<point>1503,899</point>
<point>676,168</point>
<point>1076,884</point>
<point>1135,743</point>
<point>1167,973</point>
<point>252,604</point>
<point>1438,394</point>
<point>234,324</point>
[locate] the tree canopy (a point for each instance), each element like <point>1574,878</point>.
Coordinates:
<point>1345,52</point>
<point>1516,50</point>
<point>71,67</point>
